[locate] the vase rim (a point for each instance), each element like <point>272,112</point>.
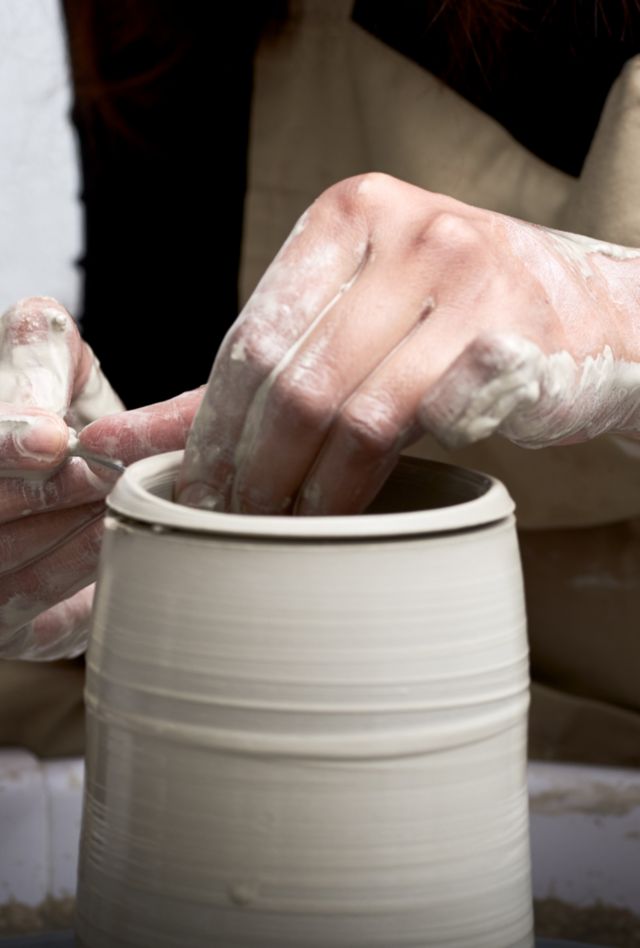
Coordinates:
<point>138,495</point>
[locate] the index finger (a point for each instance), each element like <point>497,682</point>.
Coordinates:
<point>314,267</point>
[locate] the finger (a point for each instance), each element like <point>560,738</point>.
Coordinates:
<point>96,399</point>
<point>505,383</point>
<point>27,540</point>
<point>60,632</point>
<point>438,271</point>
<point>72,485</point>
<point>28,592</point>
<point>359,334</point>
<point>377,421</point>
<point>43,357</point>
<point>143,432</point>
<point>315,266</point>
<point>31,439</point>
<point>496,377</point>
<point>390,410</point>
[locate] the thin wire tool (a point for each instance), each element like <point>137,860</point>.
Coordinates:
<point>76,450</point>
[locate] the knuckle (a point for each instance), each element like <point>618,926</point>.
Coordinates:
<point>358,195</point>
<point>305,398</point>
<point>41,495</point>
<point>370,425</point>
<point>488,354</point>
<point>251,350</point>
<point>451,232</point>
<point>498,353</point>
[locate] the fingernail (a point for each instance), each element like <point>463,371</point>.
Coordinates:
<point>42,439</point>
<point>202,496</point>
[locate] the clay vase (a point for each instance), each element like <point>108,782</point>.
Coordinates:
<point>308,731</point>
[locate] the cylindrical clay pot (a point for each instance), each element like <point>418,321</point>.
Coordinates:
<point>308,731</point>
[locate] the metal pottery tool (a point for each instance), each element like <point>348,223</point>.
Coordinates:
<point>78,451</point>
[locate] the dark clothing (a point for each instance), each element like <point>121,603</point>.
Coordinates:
<point>164,172</point>
<point>545,80</point>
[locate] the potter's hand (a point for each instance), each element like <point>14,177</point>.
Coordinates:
<point>48,376</point>
<point>51,555</point>
<point>50,512</point>
<point>391,311</point>
<point>143,432</point>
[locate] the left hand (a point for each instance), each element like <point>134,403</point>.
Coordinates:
<point>391,311</point>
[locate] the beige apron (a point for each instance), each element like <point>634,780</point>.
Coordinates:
<point>332,101</point>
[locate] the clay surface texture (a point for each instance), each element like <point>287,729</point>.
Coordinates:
<point>308,740</point>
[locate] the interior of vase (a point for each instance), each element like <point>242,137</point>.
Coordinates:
<point>415,484</point>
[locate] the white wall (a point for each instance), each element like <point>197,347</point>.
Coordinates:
<point>40,217</point>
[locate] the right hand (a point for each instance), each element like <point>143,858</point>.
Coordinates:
<point>50,508</point>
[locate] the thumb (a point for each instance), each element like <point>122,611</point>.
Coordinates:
<point>31,439</point>
<point>42,357</point>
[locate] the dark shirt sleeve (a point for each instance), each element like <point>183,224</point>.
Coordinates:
<point>163,157</point>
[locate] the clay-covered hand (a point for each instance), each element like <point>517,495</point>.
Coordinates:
<point>391,311</point>
<point>50,512</point>
<point>51,507</point>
